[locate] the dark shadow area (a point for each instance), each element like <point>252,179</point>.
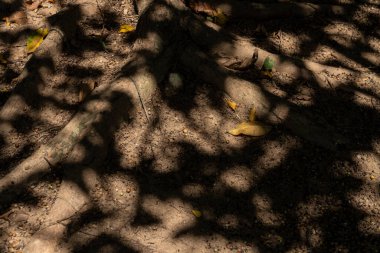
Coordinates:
<point>105,243</point>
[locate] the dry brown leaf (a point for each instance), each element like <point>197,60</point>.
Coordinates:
<point>251,129</point>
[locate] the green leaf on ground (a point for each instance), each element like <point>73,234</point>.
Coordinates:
<point>268,64</point>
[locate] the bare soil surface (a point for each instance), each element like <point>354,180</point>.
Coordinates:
<point>277,193</point>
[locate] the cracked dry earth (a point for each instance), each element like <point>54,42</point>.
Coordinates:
<point>278,193</point>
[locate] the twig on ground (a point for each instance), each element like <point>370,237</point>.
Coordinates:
<point>141,100</point>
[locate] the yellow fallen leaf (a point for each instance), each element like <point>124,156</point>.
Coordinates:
<point>267,73</point>
<point>251,129</point>
<point>126,29</point>
<point>252,114</point>
<point>34,40</point>
<point>7,21</point>
<point>231,103</point>
<point>196,213</point>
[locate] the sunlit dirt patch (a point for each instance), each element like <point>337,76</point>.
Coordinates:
<point>193,190</point>
<point>238,178</point>
<point>264,211</point>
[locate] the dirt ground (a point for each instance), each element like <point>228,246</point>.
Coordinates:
<point>278,193</point>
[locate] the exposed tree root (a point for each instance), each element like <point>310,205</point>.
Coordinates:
<point>33,90</point>
<point>267,106</point>
<point>108,104</point>
<point>64,210</point>
<point>145,71</point>
<point>265,11</point>
<point>237,53</point>
<point>28,90</point>
<point>163,33</point>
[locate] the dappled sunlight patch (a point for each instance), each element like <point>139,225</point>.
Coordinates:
<point>173,213</point>
<point>239,178</point>
<point>363,14</point>
<point>287,42</point>
<point>161,13</point>
<point>124,191</point>
<point>264,212</point>
<point>168,159</point>
<point>317,206</point>
<point>367,200</point>
<point>312,233</point>
<point>272,240</point>
<point>210,169</point>
<point>298,248</point>
<point>374,43</point>
<point>335,56</point>
<point>369,167</point>
<point>364,99</point>
<point>193,190</point>
<point>343,29</point>
<point>212,122</point>
<point>228,221</point>
<point>214,242</point>
<point>373,58</point>
<point>370,225</point>
<point>274,153</point>
<point>79,154</point>
<point>11,114</point>
<point>130,143</point>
